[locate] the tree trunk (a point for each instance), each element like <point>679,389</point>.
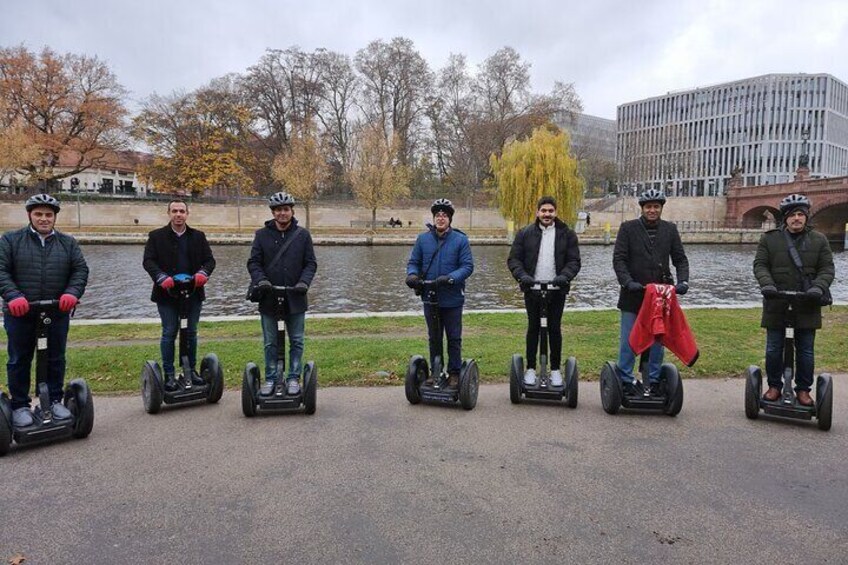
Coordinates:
<point>307,214</point>
<point>374,220</point>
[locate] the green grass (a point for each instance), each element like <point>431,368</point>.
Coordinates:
<point>352,351</point>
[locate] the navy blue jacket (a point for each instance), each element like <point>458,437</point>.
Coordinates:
<point>454,260</point>
<point>297,264</point>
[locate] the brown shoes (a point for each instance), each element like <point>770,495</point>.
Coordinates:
<point>804,398</point>
<point>772,394</point>
<point>453,380</point>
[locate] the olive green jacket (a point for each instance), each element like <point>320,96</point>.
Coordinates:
<point>773,266</point>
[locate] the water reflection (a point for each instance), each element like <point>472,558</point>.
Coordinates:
<point>359,279</point>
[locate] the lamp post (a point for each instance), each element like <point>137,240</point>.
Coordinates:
<point>804,160</point>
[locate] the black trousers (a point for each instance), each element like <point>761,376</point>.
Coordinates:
<point>533,304</point>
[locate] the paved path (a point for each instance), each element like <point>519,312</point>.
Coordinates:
<point>372,479</point>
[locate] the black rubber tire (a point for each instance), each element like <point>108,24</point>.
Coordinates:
<point>151,387</point>
<point>674,389</point>
<point>469,377</point>
<point>5,424</point>
<point>79,401</point>
<point>516,373</point>
<point>610,389</point>
<point>753,391</point>
<point>213,374</point>
<point>249,389</point>
<point>416,373</point>
<point>824,402</point>
<point>572,380</point>
<point>310,388</point>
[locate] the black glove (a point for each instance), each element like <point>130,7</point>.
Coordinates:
<point>769,291</point>
<point>413,282</point>
<point>634,286</point>
<point>443,280</point>
<point>562,282</point>
<point>526,282</point>
<point>814,294</point>
<point>681,288</point>
<point>301,287</point>
<point>263,287</point>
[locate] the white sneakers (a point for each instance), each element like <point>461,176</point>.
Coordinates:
<point>556,378</point>
<point>530,377</point>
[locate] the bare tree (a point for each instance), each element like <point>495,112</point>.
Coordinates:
<point>336,108</point>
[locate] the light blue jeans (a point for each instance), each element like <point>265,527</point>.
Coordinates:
<point>627,357</point>
<point>294,329</point>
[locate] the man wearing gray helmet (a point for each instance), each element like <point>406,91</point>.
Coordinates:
<point>282,255</point>
<point>38,263</point>
<point>775,270</point>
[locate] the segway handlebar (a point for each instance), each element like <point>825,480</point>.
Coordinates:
<point>44,304</point>
<point>544,285</point>
<point>792,295</point>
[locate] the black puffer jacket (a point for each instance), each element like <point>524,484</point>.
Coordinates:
<point>636,259</point>
<point>40,272</point>
<point>524,253</point>
<point>297,263</point>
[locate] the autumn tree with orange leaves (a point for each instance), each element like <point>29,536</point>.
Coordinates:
<point>378,178</point>
<point>53,105</point>
<point>302,168</point>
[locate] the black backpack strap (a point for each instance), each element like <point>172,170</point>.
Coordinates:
<point>796,259</point>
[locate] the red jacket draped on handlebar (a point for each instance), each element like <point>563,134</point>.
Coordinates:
<point>661,318</point>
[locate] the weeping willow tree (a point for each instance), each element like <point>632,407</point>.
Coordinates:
<point>539,166</point>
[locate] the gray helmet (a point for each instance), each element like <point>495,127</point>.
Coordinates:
<point>795,202</point>
<point>651,195</point>
<point>37,200</point>
<point>280,199</point>
<point>443,205</point>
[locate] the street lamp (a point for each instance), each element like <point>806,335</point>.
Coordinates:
<point>804,160</point>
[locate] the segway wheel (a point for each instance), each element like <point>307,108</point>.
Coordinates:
<point>213,374</point>
<point>674,389</point>
<point>572,378</point>
<point>469,377</point>
<point>753,391</point>
<point>824,401</point>
<point>249,389</point>
<point>416,374</point>
<point>5,424</point>
<point>151,387</point>
<point>516,373</point>
<point>610,389</point>
<point>79,401</point>
<point>310,388</point>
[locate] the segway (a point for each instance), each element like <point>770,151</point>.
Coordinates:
<point>437,390</point>
<point>668,399</point>
<point>787,406</point>
<point>77,397</point>
<point>252,402</point>
<point>153,389</point>
<point>543,389</point>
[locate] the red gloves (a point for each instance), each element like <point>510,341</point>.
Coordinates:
<point>167,283</point>
<point>19,306</point>
<point>67,302</point>
<point>200,279</point>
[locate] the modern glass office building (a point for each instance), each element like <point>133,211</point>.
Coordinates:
<point>690,142</point>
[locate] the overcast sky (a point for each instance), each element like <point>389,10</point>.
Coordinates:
<point>613,51</point>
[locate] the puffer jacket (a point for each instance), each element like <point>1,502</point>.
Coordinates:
<point>40,272</point>
<point>773,266</point>
<point>452,258</point>
<point>524,253</point>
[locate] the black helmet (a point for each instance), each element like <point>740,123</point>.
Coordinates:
<point>795,202</point>
<point>651,195</point>
<point>280,199</point>
<point>37,200</point>
<point>443,205</point>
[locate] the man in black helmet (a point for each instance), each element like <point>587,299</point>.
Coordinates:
<point>641,256</point>
<point>282,255</point>
<point>775,269</point>
<point>38,263</point>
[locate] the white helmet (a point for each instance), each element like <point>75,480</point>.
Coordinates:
<point>280,199</point>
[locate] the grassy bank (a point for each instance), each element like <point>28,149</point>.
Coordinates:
<point>352,351</point>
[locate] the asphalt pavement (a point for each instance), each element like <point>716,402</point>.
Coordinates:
<point>372,479</point>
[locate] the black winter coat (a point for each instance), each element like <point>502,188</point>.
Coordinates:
<point>298,263</point>
<point>773,266</point>
<point>635,259</point>
<point>160,258</point>
<point>524,253</point>
<point>40,272</point>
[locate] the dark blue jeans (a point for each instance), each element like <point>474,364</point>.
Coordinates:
<point>21,335</point>
<point>452,328</point>
<point>804,358</point>
<point>169,312</point>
